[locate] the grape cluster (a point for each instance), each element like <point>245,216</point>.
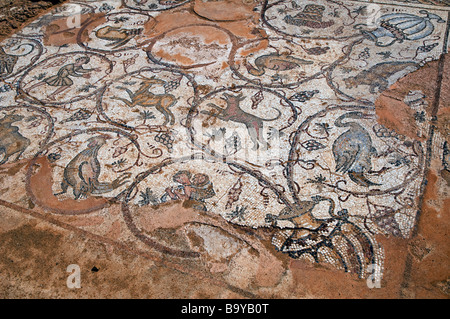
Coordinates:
<point>5,88</point>
<point>389,225</point>
<point>256,99</point>
<point>427,48</point>
<point>233,143</point>
<point>233,195</point>
<point>53,157</point>
<point>312,145</point>
<point>171,85</point>
<point>303,96</point>
<point>382,131</point>
<point>365,54</point>
<point>166,139</point>
<point>81,114</point>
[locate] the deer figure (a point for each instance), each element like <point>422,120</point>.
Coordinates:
<point>145,98</point>
<point>11,141</point>
<point>233,112</point>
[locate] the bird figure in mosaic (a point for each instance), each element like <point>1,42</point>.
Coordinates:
<point>83,171</point>
<point>331,239</point>
<point>353,149</point>
<point>300,216</point>
<point>276,62</point>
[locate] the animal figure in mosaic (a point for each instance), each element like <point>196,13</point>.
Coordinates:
<point>11,141</point>
<point>8,61</point>
<point>276,62</point>
<point>83,171</point>
<point>62,80</point>
<point>145,98</point>
<point>353,149</point>
<point>377,76</point>
<point>201,188</point>
<point>194,188</point>
<point>301,216</point>
<point>310,17</point>
<point>333,239</point>
<point>233,112</point>
<point>116,35</point>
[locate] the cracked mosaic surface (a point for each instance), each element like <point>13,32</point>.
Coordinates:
<point>258,115</point>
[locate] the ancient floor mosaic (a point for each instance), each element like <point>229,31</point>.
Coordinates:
<point>259,116</point>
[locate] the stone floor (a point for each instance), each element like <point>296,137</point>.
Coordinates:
<point>226,149</point>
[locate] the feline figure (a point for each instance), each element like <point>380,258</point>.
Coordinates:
<point>233,112</point>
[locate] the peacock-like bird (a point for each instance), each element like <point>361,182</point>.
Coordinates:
<point>353,149</point>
